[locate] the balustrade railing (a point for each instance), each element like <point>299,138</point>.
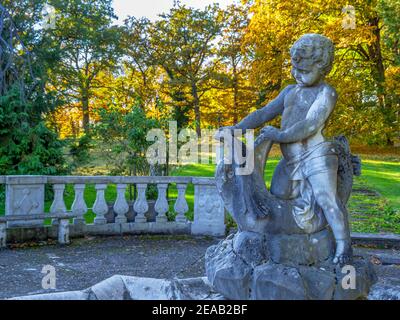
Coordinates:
<point>25,202</point>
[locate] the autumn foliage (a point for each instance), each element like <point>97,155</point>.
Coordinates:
<point>210,67</point>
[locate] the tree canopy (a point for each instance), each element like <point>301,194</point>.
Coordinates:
<point>207,67</point>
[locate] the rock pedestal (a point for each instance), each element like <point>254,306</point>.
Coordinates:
<point>252,266</point>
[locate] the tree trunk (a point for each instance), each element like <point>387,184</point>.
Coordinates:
<point>235,96</point>
<point>85,111</point>
<point>378,74</point>
<point>375,53</point>
<point>196,105</point>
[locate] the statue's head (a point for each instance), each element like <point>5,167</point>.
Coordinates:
<point>312,58</point>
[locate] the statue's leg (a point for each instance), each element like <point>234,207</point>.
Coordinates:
<point>281,185</point>
<point>324,186</point>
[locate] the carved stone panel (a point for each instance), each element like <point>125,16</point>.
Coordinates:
<point>209,211</point>
<point>25,196</point>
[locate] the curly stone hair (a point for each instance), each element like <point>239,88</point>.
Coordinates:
<point>314,48</point>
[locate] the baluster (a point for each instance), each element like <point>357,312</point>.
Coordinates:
<point>79,207</point>
<point>100,207</point>
<point>140,205</point>
<point>58,205</point>
<point>161,205</point>
<point>181,206</point>
<point>121,206</point>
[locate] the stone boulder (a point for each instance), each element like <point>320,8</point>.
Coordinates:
<point>250,266</point>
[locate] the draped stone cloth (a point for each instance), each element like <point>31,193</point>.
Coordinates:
<point>321,158</point>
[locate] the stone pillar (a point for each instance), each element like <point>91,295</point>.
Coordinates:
<point>100,207</point>
<point>181,206</point>
<point>25,196</point>
<point>209,211</point>
<point>141,206</point>
<point>161,205</point>
<point>58,205</point>
<point>3,235</point>
<point>121,206</point>
<point>63,231</point>
<point>79,207</point>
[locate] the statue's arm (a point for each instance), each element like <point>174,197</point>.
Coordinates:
<point>315,119</point>
<point>265,114</point>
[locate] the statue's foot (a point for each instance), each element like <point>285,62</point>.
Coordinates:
<point>344,252</point>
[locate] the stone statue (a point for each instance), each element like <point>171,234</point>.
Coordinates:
<point>294,239</point>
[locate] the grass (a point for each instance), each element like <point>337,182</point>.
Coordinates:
<point>374,205</point>
<point>384,177</point>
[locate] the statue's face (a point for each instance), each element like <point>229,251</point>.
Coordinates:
<point>307,76</point>
<point>306,70</point>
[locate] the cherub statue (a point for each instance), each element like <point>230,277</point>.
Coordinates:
<point>292,239</point>
<point>308,172</point>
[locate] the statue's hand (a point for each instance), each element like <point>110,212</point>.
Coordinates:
<point>222,131</point>
<point>270,133</point>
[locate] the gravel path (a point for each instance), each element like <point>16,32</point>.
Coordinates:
<point>90,260</point>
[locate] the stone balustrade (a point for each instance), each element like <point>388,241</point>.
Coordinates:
<point>25,202</point>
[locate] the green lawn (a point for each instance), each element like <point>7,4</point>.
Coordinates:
<point>384,177</point>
